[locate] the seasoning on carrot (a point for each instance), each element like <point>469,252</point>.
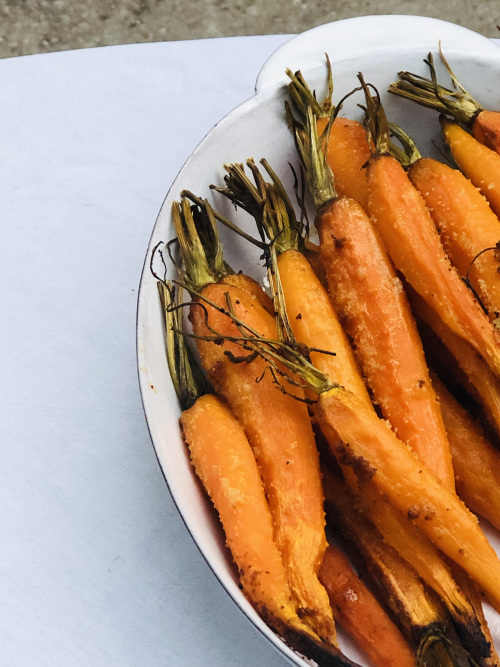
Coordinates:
<point>278,428</point>
<point>408,232</point>
<point>457,103</point>
<point>315,323</point>
<point>468,228</point>
<point>224,461</point>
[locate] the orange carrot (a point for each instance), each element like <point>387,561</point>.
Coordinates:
<point>476,461</point>
<point>226,465</point>
<point>361,616</point>
<point>376,315</point>
<point>347,156</point>
<point>482,383</point>
<point>466,225</point>
<point>479,163</point>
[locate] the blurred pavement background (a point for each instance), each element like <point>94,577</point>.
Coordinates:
<point>39,26</point>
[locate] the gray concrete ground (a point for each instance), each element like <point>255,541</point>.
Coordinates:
<point>38,26</point>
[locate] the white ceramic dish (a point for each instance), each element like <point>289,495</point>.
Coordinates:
<point>376,45</point>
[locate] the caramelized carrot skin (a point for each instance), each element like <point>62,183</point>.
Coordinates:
<point>401,218</point>
<point>226,465</point>
<point>486,129</point>
<point>315,323</point>
<point>347,156</point>
<point>361,616</point>
<point>280,433</point>
<point>376,315</point>
<point>376,453</point>
<point>465,222</point>
<point>478,162</point>
<point>476,461</point>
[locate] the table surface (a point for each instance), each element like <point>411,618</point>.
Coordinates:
<point>96,566</point>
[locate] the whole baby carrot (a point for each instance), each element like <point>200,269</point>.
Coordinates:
<point>347,150</point>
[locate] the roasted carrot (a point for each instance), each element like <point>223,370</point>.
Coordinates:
<point>466,224</point>
<point>280,433</point>
<point>479,163</point>
<point>400,216</point>
<point>278,428</point>
<point>224,462</point>
<point>457,103</point>
<point>347,150</point>
<point>475,460</point>
<point>375,313</point>
<point>358,612</point>
<point>482,383</point>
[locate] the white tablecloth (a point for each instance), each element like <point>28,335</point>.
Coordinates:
<point>96,566</point>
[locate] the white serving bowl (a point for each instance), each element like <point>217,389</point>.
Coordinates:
<point>378,46</point>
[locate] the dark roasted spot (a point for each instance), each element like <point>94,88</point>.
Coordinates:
<point>413,512</point>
